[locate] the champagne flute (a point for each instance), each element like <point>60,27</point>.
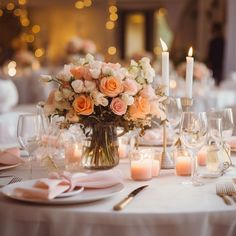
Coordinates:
<point>193,134</point>
<point>28,134</point>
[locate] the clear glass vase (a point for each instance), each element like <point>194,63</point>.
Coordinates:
<point>100,150</point>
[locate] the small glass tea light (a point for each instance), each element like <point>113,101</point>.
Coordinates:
<point>123,149</point>
<point>156,161</point>
<point>141,165</point>
<point>202,156</point>
<point>73,154</point>
<point>183,162</point>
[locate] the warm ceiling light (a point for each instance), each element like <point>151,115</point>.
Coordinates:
<point>22,2</point>
<point>36,29</point>
<point>110,25</point>
<point>113,17</point>
<point>161,12</point>
<point>87,3</point>
<point>39,52</point>
<point>10,6</point>
<point>79,5</point>
<point>112,9</point>
<point>173,84</point>
<point>111,50</point>
<point>1,12</point>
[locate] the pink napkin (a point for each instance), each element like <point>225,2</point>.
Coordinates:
<point>10,156</point>
<point>47,189</point>
<point>232,142</point>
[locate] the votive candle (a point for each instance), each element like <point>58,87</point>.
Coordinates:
<point>183,165</point>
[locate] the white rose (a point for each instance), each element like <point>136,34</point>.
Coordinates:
<point>67,93</point>
<point>89,85</point>
<point>78,86</point>
<point>129,100</point>
<point>133,63</point>
<point>99,99</point>
<point>58,96</point>
<point>45,78</point>
<point>65,74</point>
<point>89,58</point>
<point>95,69</point>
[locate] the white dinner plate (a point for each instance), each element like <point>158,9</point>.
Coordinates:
<point>72,193</point>
<point>88,195</point>
<point>5,167</point>
<point>233,150</point>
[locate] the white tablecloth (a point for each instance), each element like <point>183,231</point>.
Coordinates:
<point>165,208</point>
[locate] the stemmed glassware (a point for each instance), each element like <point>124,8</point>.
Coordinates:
<point>193,134</point>
<point>28,133</point>
<point>227,124</point>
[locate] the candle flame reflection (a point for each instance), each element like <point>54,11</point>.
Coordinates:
<point>163,45</point>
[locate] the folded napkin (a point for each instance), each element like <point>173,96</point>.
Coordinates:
<point>232,142</point>
<point>10,156</point>
<point>49,188</point>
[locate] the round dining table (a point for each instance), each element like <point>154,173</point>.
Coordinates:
<point>166,207</point>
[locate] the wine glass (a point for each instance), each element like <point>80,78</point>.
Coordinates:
<point>173,111</point>
<point>193,134</point>
<point>226,116</point>
<point>28,134</point>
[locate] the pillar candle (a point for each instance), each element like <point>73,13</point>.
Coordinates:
<point>189,74</point>
<point>73,153</point>
<point>183,165</point>
<point>165,67</point>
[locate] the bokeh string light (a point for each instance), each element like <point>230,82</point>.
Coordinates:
<point>81,4</point>
<point>29,31</point>
<point>110,24</point>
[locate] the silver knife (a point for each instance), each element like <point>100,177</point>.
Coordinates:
<point>128,199</point>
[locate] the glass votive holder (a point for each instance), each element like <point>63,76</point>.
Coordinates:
<point>183,162</point>
<point>145,163</point>
<point>124,147</point>
<point>73,155</point>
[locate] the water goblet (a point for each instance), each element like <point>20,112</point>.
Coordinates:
<point>193,134</point>
<point>28,134</point>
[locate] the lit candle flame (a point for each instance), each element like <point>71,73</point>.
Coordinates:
<point>163,45</point>
<point>190,52</point>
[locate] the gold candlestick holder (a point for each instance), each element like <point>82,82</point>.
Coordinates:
<point>186,103</point>
<point>166,160</point>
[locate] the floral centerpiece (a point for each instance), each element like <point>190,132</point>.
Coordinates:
<point>101,97</point>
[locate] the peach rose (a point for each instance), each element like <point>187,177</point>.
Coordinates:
<point>81,72</point>
<point>83,105</point>
<point>111,86</point>
<point>140,108</point>
<point>131,87</point>
<point>118,106</point>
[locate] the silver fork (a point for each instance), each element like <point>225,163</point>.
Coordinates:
<point>15,180</point>
<point>230,190</point>
<point>221,192</point>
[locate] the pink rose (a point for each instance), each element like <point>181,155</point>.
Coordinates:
<point>118,106</point>
<point>130,87</point>
<point>148,92</point>
<point>111,86</point>
<point>140,108</point>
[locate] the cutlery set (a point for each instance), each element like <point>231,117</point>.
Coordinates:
<point>227,192</point>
